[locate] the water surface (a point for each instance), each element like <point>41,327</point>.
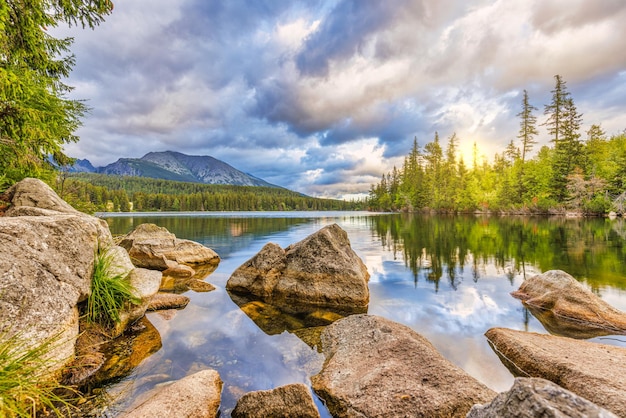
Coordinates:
<point>446,277</point>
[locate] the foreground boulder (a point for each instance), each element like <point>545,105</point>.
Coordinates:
<point>378,368</point>
<point>533,397</point>
<point>197,395</point>
<point>47,253</point>
<point>566,307</point>
<point>46,264</point>
<point>47,256</point>
<point>286,401</point>
<point>322,270</point>
<point>593,371</point>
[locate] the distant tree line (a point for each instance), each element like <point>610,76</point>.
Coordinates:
<point>569,175</point>
<point>101,193</point>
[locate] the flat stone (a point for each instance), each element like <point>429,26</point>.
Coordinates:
<point>200,286</point>
<point>163,300</point>
<point>590,370</point>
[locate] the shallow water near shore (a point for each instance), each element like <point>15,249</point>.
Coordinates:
<point>447,277</point>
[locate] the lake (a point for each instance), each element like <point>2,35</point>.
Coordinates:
<point>447,277</point>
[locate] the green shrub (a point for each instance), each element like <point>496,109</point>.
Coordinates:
<point>109,293</point>
<point>26,386</point>
<point>599,205</point>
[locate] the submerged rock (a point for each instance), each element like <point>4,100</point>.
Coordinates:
<point>568,308</point>
<point>378,368</point>
<point>593,371</point>
<point>322,270</point>
<point>100,359</point>
<point>534,397</point>
<point>197,395</point>
<point>272,320</point>
<point>286,401</point>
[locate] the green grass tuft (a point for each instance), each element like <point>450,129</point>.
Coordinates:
<point>109,293</point>
<point>27,388</point>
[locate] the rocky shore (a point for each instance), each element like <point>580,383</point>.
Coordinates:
<point>373,367</point>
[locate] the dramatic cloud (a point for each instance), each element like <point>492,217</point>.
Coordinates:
<point>324,96</point>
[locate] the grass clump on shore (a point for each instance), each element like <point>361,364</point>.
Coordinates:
<point>109,293</point>
<point>27,388</point>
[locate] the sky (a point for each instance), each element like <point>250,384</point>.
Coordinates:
<point>324,96</point>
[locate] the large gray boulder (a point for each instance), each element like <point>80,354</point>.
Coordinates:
<point>322,270</point>
<point>593,371</point>
<point>195,396</point>
<point>286,401</point>
<point>566,307</point>
<point>47,255</point>
<point>46,264</point>
<point>534,397</point>
<point>378,368</point>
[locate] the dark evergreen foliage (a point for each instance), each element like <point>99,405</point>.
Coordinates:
<point>101,193</point>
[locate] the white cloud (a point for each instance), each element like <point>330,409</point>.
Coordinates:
<point>336,88</point>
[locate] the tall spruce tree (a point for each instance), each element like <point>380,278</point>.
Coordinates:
<point>556,110</point>
<point>563,125</point>
<point>528,126</point>
<point>36,117</point>
<point>527,132</point>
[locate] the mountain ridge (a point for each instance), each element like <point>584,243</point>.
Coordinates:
<point>173,165</point>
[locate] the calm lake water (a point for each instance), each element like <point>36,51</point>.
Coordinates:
<point>446,277</point>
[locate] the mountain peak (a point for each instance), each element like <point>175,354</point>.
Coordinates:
<point>173,165</point>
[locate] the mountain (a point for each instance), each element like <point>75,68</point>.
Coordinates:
<point>170,165</point>
<point>83,166</point>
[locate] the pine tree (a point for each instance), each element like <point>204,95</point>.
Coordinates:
<point>556,110</point>
<point>563,124</point>
<point>528,127</point>
<point>36,117</point>
<point>568,150</point>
